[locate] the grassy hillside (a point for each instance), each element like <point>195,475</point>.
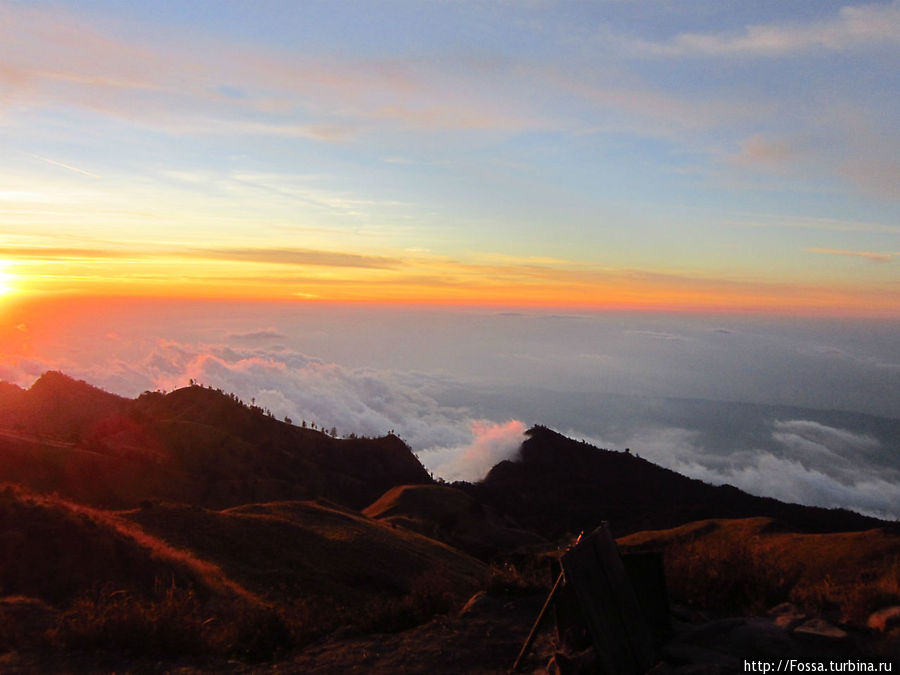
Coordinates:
<point>753,564</point>
<point>307,552</point>
<point>176,580</point>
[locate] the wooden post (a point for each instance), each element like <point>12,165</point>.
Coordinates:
<point>537,622</point>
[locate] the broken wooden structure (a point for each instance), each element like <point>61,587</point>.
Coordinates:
<point>623,610</point>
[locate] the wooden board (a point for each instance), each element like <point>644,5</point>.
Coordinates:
<point>619,631</point>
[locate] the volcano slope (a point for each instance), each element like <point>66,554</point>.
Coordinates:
<point>558,486</point>
<point>194,445</point>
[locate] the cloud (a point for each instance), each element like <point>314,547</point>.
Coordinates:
<point>75,169</point>
<point>808,463</point>
<point>279,256</point>
<point>808,435</point>
<point>789,480</point>
<point>866,255</point>
<point>854,27</point>
<point>182,83</point>
<point>257,335</point>
<point>760,149</point>
<point>491,444</point>
<point>294,256</point>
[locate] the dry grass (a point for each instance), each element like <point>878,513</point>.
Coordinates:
<point>183,581</point>
<point>751,565</point>
<point>728,574</point>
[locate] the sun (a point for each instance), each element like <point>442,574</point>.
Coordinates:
<point>7,279</point>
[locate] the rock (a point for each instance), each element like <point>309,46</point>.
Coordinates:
<point>820,629</point>
<point>787,615</point>
<point>784,608</point>
<point>884,619</point>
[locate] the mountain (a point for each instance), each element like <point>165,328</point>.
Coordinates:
<point>560,486</point>
<point>57,405</point>
<point>193,445</point>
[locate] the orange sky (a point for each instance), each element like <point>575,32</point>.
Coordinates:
<point>417,278</point>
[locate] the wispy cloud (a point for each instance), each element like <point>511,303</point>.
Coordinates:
<point>75,169</point>
<point>296,256</point>
<point>853,27</point>
<point>175,82</point>
<point>761,149</point>
<point>278,256</point>
<point>866,255</point>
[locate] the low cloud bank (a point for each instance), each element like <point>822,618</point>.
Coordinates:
<point>491,444</point>
<point>806,462</point>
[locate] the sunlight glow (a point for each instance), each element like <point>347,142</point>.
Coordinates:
<point>6,279</point>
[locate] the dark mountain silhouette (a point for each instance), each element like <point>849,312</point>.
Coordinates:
<point>57,405</point>
<point>560,486</point>
<point>193,445</point>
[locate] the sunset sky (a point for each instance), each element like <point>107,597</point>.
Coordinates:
<point>704,155</point>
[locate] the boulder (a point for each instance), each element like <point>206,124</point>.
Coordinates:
<point>787,615</point>
<point>820,630</point>
<point>884,619</point>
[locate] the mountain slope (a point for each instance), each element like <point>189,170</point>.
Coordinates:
<point>193,445</point>
<point>559,485</point>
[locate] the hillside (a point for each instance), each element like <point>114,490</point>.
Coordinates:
<point>755,563</point>
<point>558,485</point>
<point>193,445</point>
<point>309,552</point>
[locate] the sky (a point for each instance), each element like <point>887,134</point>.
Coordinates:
<point>669,226</point>
<point>703,156</point>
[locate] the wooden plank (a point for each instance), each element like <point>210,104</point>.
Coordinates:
<point>640,638</point>
<point>592,594</point>
<point>620,634</point>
